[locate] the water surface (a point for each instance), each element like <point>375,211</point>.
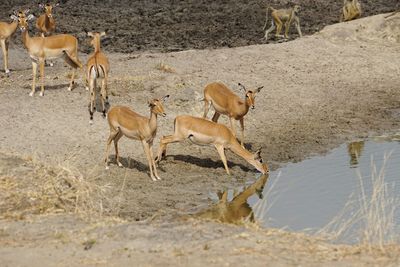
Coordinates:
<point>309,194</point>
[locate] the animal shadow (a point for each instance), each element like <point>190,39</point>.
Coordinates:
<point>207,163</point>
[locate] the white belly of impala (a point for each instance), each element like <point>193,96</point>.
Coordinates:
<point>201,139</point>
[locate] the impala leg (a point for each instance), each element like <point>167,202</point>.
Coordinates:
<point>103,94</point>
<point>232,121</point>
<point>206,108</point>
<point>116,139</point>
<point>221,152</point>
<point>106,91</point>
<point>34,72</point>
<point>92,96</point>
<point>113,134</point>
<point>153,163</point>
<point>41,67</point>
<point>149,160</point>
<point>72,82</point>
<point>164,141</point>
<point>242,126</point>
<point>216,116</point>
<point>5,54</point>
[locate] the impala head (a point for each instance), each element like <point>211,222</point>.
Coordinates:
<point>23,19</point>
<point>259,164</point>
<point>96,38</point>
<point>250,95</point>
<point>48,8</point>
<point>157,107</point>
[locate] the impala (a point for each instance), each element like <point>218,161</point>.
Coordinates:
<point>204,132</point>
<point>124,121</point>
<point>6,30</point>
<point>51,47</point>
<point>228,103</point>
<point>46,23</point>
<point>97,68</point>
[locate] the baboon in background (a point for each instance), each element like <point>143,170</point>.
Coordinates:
<point>282,17</point>
<point>351,10</point>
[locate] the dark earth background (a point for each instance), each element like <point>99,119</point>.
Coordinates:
<point>171,25</point>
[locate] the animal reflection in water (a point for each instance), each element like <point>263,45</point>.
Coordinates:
<point>355,149</point>
<point>237,210</point>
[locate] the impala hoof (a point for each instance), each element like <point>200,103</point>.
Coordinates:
<point>31,93</point>
<point>87,88</point>
<point>69,88</point>
<point>90,122</point>
<point>107,168</point>
<point>120,164</point>
<point>7,71</point>
<point>41,94</point>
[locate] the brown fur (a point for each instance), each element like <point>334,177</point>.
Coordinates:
<point>125,122</point>
<point>6,30</point>
<point>204,132</point>
<point>280,18</point>
<point>351,10</point>
<point>228,103</point>
<point>98,68</point>
<point>42,48</point>
<point>46,23</point>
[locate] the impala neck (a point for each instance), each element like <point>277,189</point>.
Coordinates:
<point>13,26</point>
<point>245,107</point>
<point>245,154</point>
<point>240,151</point>
<point>153,120</point>
<point>26,38</point>
<point>97,46</point>
<point>47,21</point>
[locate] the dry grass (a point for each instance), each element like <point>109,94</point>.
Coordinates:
<point>161,66</point>
<point>370,215</point>
<point>44,189</point>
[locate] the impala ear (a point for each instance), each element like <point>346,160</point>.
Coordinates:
<point>151,103</point>
<point>257,155</point>
<point>13,17</point>
<point>259,89</point>
<point>30,17</point>
<point>242,87</point>
<point>103,33</point>
<point>41,5</point>
<point>56,4</point>
<point>26,11</point>
<point>165,98</point>
<point>90,34</point>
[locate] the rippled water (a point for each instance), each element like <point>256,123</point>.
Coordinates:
<point>309,194</point>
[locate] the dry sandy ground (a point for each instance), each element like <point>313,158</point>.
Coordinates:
<point>320,91</point>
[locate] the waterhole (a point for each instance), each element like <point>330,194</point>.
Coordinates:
<point>312,193</point>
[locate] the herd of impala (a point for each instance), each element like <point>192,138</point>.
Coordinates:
<point>122,120</point>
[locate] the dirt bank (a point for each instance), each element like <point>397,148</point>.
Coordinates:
<point>166,25</point>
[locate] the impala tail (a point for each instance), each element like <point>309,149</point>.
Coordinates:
<point>73,62</point>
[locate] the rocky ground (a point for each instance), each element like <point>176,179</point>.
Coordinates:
<point>167,25</point>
